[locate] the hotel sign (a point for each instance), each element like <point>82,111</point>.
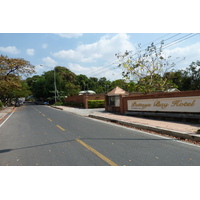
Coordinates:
<point>175,104</point>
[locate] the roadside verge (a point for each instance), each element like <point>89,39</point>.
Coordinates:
<point>4,112</point>
<point>178,134</point>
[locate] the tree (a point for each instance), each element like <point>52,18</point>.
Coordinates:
<point>82,80</point>
<point>40,88</point>
<point>147,67</point>
<point>93,83</point>
<point>43,86</point>
<point>128,86</point>
<point>159,83</point>
<point>24,90</point>
<point>188,79</point>
<point>120,83</point>
<point>103,85</point>
<point>65,82</point>
<point>192,75</point>
<point>8,86</point>
<point>15,66</point>
<point>11,70</point>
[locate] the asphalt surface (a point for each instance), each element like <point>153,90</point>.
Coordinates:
<point>40,135</point>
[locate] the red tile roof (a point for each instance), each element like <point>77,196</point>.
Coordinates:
<point>117,91</point>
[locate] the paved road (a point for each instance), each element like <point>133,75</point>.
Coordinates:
<point>40,135</point>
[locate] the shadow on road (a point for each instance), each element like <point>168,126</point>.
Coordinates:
<point>74,140</point>
<point>33,146</point>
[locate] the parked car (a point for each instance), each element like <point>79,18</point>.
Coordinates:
<point>19,103</point>
<point>38,102</point>
<point>45,103</point>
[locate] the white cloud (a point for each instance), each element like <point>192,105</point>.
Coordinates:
<point>44,46</point>
<point>10,49</point>
<point>78,69</point>
<point>190,52</point>
<point>49,62</point>
<point>103,49</point>
<point>69,55</point>
<point>39,69</point>
<point>30,52</point>
<point>47,65</point>
<point>69,35</point>
<point>110,73</point>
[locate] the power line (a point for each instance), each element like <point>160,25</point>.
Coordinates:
<point>156,39</point>
<point>180,40</point>
<point>102,68</point>
<point>175,41</point>
<point>190,35</point>
<point>172,36</point>
<point>143,50</point>
<point>107,67</point>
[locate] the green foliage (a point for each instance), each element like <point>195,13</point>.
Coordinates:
<point>82,81</point>
<point>43,86</point>
<point>160,84</point>
<point>74,104</point>
<point>188,79</point>
<point>58,103</point>
<point>11,84</point>
<point>96,103</point>
<point>15,66</point>
<point>147,68</point>
<point>24,90</point>
<point>1,104</point>
<point>69,84</point>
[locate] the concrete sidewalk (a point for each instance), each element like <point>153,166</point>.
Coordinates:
<point>182,130</point>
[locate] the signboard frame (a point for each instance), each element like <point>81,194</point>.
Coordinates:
<point>189,104</point>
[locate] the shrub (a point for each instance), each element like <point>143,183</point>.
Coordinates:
<point>74,104</point>
<point>96,103</point>
<point>1,104</point>
<point>58,103</point>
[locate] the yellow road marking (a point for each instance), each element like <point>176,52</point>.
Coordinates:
<point>110,162</point>
<point>39,111</point>
<point>60,128</point>
<point>49,119</point>
<point>43,115</point>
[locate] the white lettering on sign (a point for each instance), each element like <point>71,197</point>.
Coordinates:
<point>176,104</point>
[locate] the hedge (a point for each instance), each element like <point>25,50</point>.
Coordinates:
<point>96,103</point>
<point>73,104</point>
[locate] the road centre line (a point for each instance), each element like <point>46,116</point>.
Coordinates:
<point>60,128</point>
<point>50,119</point>
<point>104,158</point>
<point>43,115</point>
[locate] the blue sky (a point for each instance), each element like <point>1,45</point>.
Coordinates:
<point>84,36</point>
<point>93,54</point>
<point>103,17</point>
